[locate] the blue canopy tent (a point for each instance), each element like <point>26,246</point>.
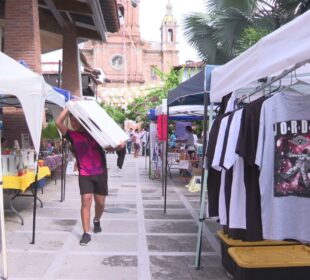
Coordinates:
<point>179,113</point>
<point>63,92</point>
<point>190,92</point>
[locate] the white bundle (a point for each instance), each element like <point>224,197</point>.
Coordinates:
<point>97,122</point>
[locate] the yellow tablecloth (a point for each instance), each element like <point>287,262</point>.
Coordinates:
<point>23,182</point>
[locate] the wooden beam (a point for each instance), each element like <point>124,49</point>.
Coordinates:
<point>49,23</point>
<point>61,21</point>
<point>73,6</point>
<point>87,34</point>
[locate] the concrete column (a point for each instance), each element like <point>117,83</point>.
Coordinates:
<point>71,78</point>
<point>22,32</point>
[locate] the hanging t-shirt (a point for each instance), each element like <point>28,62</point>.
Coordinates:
<point>236,211</point>
<point>162,127</point>
<point>214,176</point>
<point>246,148</point>
<point>283,155</point>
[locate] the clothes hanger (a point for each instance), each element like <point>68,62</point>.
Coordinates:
<point>297,86</point>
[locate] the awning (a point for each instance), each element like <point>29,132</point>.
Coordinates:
<point>275,52</point>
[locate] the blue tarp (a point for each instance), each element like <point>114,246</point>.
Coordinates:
<point>152,116</point>
<point>65,93</point>
<point>192,91</point>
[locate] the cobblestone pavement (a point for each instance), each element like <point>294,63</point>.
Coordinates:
<point>138,240</point>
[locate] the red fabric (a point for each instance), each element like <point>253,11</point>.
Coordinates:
<point>162,127</point>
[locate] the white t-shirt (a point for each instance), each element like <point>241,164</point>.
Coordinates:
<point>237,209</point>
<point>216,165</point>
<point>283,157</point>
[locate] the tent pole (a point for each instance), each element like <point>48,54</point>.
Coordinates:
<point>150,152</point>
<point>204,145</point>
<point>162,160</point>
<point>203,190</point>
<point>62,170</point>
<point>65,169</point>
<point>166,163</point>
<point>34,209</point>
<point>3,237</point>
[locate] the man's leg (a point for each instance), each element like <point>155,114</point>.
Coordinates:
<point>85,210</point>
<point>99,206</point>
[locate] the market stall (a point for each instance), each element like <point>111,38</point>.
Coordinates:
<point>275,56</point>
<point>31,91</point>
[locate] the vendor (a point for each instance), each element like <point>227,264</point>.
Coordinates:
<point>172,140</point>
<point>189,141</point>
<point>4,143</point>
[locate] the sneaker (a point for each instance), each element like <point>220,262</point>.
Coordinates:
<point>85,239</point>
<point>97,227</point>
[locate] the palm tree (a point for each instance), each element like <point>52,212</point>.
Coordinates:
<point>231,26</point>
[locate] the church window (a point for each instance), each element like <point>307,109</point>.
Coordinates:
<point>153,73</point>
<point>170,35</point>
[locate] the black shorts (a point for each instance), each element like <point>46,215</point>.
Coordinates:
<point>97,184</point>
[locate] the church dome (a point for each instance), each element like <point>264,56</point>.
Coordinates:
<point>169,17</point>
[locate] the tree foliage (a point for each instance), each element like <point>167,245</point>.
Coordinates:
<point>50,131</point>
<point>229,27</point>
<point>138,109</point>
<point>116,113</point>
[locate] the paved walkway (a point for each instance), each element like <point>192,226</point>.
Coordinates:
<point>140,243</point>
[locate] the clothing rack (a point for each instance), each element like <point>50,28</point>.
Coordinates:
<point>275,79</point>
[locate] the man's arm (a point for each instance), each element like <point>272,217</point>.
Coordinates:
<point>60,121</point>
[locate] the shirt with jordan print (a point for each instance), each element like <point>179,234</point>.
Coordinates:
<point>292,158</point>
<point>283,157</point>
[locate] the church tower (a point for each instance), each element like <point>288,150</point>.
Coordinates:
<point>129,61</point>
<point>169,39</point>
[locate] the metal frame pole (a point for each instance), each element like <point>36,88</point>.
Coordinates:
<point>3,237</point>
<point>203,192</point>
<point>166,163</point>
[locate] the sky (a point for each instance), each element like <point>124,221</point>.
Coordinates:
<point>156,9</point>
<point>150,29</point>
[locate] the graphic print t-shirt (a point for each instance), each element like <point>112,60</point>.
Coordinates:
<point>292,158</point>
<point>283,156</point>
<point>88,152</point>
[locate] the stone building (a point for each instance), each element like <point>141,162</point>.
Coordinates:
<point>128,61</point>
<point>29,28</point>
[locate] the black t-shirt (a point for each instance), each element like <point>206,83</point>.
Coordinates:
<point>246,148</point>
<point>214,176</point>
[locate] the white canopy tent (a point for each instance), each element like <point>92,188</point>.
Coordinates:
<point>181,110</point>
<point>277,51</point>
<point>283,50</point>
<point>32,91</point>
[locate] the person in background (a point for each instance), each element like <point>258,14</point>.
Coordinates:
<point>195,138</point>
<point>129,141</point>
<point>137,143</point>
<point>92,168</point>
<point>4,143</point>
<point>188,140</point>
<point>144,140</point>
<point>172,140</point>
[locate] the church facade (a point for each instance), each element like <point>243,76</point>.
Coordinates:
<point>126,60</point>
